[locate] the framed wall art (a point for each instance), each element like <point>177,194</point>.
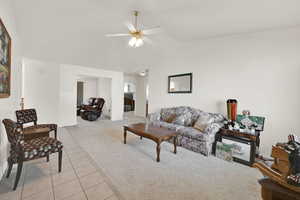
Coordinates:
<point>5,61</point>
<point>180,83</point>
<point>255,122</point>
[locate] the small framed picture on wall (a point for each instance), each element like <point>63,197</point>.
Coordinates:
<point>180,83</point>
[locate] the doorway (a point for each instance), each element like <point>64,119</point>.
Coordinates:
<point>136,94</point>
<point>90,90</point>
<point>79,93</point>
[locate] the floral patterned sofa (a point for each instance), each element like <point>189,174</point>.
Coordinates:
<point>189,137</point>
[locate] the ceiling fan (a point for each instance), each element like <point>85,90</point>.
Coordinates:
<point>138,36</point>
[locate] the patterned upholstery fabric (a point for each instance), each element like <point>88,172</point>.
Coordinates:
<point>40,147</point>
<point>190,137</point>
<point>28,149</point>
<point>26,116</point>
<point>29,116</point>
<point>184,119</point>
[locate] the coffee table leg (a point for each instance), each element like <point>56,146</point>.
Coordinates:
<point>125,134</point>
<point>158,152</point>
<point>175,144</point>
<point>141,137</point>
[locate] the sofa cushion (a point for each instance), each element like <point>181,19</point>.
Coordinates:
<point>193,133</point>
<point>170,118</point>
<point>184,119</point>
<point>203,122</point>
<point>170,126</point>
<point>167,113</point>
<point>218,118</point>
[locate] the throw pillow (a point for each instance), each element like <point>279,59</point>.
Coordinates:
<point>167,114</point>
<point>170,118</point>
<point>202,122</point>
<point>183,119</point>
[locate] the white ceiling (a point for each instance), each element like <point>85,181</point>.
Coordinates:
<point>72,31</point>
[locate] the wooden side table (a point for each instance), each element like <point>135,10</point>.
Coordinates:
<point>252,140</point>
<point>273,191</point>
<point>234,133</point>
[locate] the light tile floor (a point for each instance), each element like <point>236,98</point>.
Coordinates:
<point>80,179</point>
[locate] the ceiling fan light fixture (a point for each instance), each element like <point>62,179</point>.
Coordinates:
<point>132,42</point>
<point>138,35</point>
<point>139,42</point>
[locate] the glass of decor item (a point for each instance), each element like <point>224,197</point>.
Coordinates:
<point>232,109</point>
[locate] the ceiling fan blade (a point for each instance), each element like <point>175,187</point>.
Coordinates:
<point>148,40</point>
<point>117,35</point>
<point>151,31</point>
<point>130,26</point>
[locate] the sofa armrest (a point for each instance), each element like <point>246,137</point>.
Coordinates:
<point>154,116</point>
<point>213,128</point>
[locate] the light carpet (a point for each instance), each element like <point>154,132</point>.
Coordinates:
<point>134,172</point>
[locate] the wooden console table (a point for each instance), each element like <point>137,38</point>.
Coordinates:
<point>253,140</point>
<point>234,133</point>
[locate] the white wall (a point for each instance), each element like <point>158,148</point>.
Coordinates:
<point>41,86</point>
<point>9,105</point>
<point>104,91</point>
<point>89,88</point>
<point>261,70</point>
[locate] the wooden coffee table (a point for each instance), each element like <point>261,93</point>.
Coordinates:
<point>157,134</point>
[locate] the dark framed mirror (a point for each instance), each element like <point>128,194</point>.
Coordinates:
<point>180,83</point>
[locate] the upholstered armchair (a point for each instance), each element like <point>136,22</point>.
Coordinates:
<point>24,150</point>
<point>92,113</point>
<point>90,103</point>
<point>29,116</point>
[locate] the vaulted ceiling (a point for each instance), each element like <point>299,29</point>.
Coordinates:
<point>73,31</point>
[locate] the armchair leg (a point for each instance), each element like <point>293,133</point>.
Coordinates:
<point>48,158</point>
<point>19,171</point>
<point>59,160</point>
<point>10,165</point>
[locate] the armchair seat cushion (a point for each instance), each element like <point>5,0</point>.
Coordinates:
<point>40,147</point>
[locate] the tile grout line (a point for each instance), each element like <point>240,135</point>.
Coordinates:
<point>106,179</point>
<point>52,184</point>
<point>21,195</point>
<point>71,163</point>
